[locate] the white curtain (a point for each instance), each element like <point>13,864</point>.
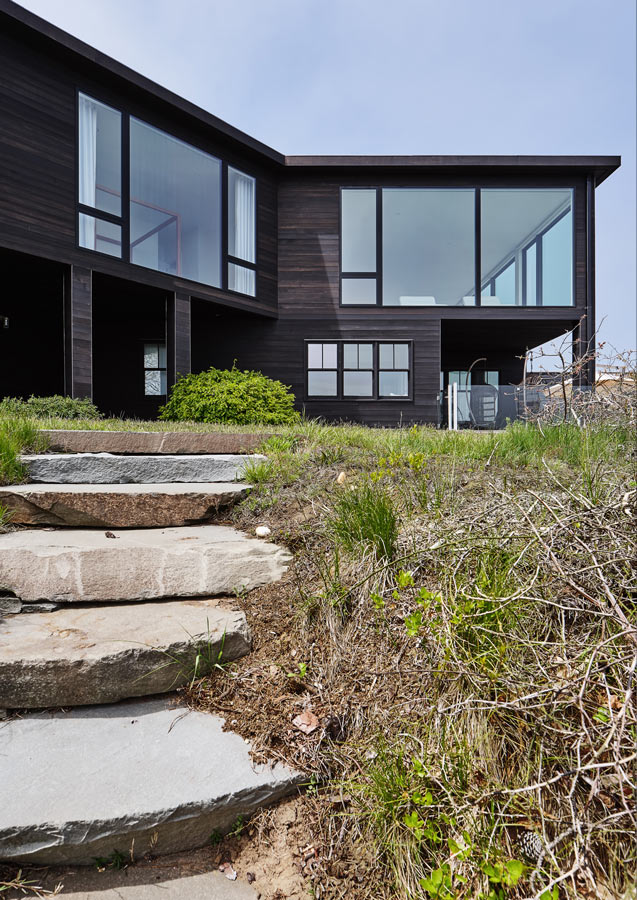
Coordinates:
<point>87,167</point>
<point>242,237</point>
<point>243,217</point>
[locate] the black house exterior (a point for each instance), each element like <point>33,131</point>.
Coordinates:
<point>142,238</point>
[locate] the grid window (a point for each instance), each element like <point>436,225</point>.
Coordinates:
<point>155,370</point>
<point>322,366</point>
<point>393,374</point>
<point>358,370</point>
<point>367,371</point>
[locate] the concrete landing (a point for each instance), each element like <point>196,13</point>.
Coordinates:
<point>76,656</point>
<point>147,442</point>
<point>107,468</point>
<point>85,783</point>
<point>150,564</point>
<point>117,505</point>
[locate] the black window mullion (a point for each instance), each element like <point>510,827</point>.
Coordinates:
<point>224,227</point>
<point>524,277</point>
<point>478,247</point>
<point>100,214</point>
<point>379,246</point>
<point>538,272</point>
<point>125,187</point>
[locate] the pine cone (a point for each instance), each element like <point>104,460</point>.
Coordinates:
<point>530,846</point>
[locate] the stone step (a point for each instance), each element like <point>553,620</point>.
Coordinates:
<point>145,881</point>
<point>140,883</point>
<point>71,566</point>
<point>109,468</point>
<point>84,655</point>
<point>84,783</point>
<point>148,442</point>
<point>117,505</point>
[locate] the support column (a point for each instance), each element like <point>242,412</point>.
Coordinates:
<point>177,336</point>
<point>585,333</point>
<point>78,336</point>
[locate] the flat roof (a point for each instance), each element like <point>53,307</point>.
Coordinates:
<point>600,166</point>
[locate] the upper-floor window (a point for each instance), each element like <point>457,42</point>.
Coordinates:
<point>417,247</point>
<point>241,232</point>
<point>168,217</point>
<point>100,176</point>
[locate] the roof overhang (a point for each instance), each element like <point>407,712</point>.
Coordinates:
<point>600,167</point>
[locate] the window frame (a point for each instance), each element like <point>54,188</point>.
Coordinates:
<point>227,257</point>
<point>478,287</point>
<point>160,369</point>
<point>123,220</point>
<point>340,395</point>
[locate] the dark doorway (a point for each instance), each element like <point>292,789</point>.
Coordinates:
<point>129,348</point>
<point>31,326</point>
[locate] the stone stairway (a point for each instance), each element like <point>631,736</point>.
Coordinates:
<point>101,754</point>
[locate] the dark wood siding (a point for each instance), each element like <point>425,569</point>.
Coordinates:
<point>38,86</point>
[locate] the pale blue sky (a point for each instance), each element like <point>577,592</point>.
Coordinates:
<point>404,76</point>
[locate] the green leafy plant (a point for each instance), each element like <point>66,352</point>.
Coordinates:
<point>55,406</point>
<point>115,860</point>
<point>232,396</point>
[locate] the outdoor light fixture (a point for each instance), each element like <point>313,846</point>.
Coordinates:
<point>4,321</point>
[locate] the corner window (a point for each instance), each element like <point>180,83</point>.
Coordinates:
<point>527,247</point>
<point>155,370</point>
<point>322,365</point>
<point>241,232</point>
<point>367,371</point>
<point>416,246</point>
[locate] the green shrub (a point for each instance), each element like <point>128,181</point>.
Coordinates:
<point>231,396</point>
<point>55,407</point>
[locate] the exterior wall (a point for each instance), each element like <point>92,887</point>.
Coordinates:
<point>38,90</point>
<point>298,248</point>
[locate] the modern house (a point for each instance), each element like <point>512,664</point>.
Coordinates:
<point>142,238</point>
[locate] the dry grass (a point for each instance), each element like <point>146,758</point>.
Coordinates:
<point>473,686</point>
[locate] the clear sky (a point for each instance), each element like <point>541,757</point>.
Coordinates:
<point>403,77</point>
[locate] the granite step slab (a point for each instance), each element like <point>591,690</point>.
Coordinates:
<point>92,566</point>
<point>84,783</point>
<point>118,505</point>
<point>110,468</point>
<point>149,442</point>
<point>136,883</point>
<point>87,655</point>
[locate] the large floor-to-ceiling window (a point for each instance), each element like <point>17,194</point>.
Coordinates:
<point>167,215</point>
<point>429,246</point>
<point>175,206</point>
<point>527,247</point>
